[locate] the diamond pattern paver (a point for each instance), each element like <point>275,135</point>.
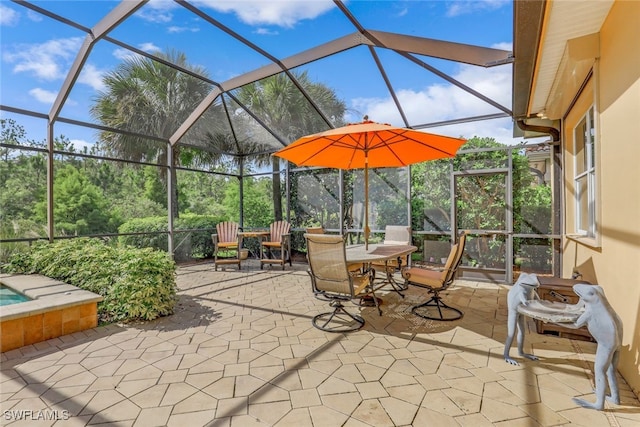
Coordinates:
<point>240,350</point>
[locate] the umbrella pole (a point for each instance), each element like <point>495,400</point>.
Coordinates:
<point>366,204</point>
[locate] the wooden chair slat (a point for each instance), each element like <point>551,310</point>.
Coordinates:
<point>226,239</point>
<point>279,239</point>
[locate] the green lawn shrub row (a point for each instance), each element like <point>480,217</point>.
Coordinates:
<point>136,284</point>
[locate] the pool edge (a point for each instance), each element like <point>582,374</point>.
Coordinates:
<point>56,309</point>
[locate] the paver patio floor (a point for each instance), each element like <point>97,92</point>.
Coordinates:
<point>240,350</point>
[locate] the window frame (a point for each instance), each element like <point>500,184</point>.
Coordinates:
<point>585,175</point>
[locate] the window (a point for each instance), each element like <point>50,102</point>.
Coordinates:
<point>585,175</point>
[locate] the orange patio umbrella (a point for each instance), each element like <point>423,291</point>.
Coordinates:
<point>367,145</point>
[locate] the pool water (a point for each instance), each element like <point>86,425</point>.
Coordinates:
<point>9,296</point>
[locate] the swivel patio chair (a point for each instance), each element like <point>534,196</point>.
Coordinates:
<point>437,281</point>
<point>315,230</point>
<point>395,235</point>
<point>228,241</point>
<point>331,278</point>
<point>277,249</point>
<point>321,230</point>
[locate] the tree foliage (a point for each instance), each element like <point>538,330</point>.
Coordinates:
<point>79,207</point>
<point>149,98</point>
<point>282,107</point>
<point>258,208</point>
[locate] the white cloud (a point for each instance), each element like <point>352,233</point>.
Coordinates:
<point>266,32</point>
<point>281,13</point>
<point>253,12</point>
<point>42,95</point>
<point>149,47</point>
<point>47,97</point>
<point>157,11</point>
<point>499,129</point>
<point>442,102</point>
<point>34,16</point>
<point>80,144</point>
<point>465,7</point>
<point>124,54</point>
<point>91,76</point>
<point>508,46</point>
<point>47,61</point>
<point>51,61</point>
<point>174,29</point>
<point>494,82</point>
<point>155,16</point>
<point>403,12</point>
<point>8,16</point>
<point>161,4</point>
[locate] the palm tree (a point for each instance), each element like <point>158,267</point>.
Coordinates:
<point>149,98</point>
<point>278,102</point>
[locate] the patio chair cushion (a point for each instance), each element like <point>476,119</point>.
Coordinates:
<point>423,276</point>
<point>228,245</point>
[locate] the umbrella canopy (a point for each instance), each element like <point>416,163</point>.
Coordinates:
<point>369,145</point>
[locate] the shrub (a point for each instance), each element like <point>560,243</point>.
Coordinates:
<point>135,283</point>
<point>156,226</point>
<point>16,229</point>
<point>201,245</point>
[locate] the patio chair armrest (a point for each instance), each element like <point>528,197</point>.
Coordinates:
<point>215,240</point>
<point>406,271</point>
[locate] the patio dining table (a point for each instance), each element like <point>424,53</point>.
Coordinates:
<point>358,254</point>
<point>259,235</point>
<point>377,252</point>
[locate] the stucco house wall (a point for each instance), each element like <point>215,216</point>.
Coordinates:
<point>612,260</point>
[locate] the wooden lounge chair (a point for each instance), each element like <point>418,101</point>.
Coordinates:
<point>226,240</point>
<point>277,248</point>
<point>331,279</point>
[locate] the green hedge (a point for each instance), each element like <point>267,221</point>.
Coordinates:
<point>200,241</point>
<point>135,283</point>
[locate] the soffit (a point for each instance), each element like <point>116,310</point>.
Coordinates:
<point>564,20</point>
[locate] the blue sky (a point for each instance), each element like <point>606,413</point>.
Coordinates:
<point>38,51</point>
